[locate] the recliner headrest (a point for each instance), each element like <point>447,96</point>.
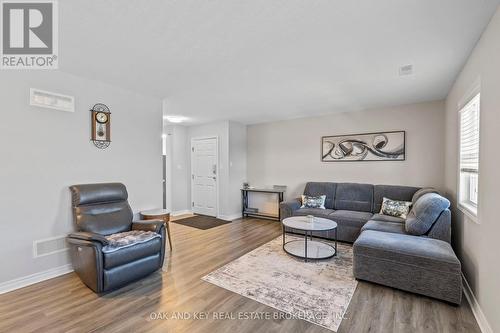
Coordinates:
<point>86,194</point>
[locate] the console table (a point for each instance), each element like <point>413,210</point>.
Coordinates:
<point>279,190</point>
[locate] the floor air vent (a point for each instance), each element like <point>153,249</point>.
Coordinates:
<point>48,246</point>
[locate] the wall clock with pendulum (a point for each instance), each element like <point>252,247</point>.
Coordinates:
<point>101,126</point>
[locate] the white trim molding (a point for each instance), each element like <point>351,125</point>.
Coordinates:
<point>25,281</point>
<point>476,308</point>
<point>230,217</point>
<point>181,212</point>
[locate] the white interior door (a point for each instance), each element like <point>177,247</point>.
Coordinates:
<point>204,170</point>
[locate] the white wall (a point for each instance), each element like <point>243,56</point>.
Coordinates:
<point>288,152</point>
<point>237,166</point>
<point>44,151</point>
<point>178,168</point>
<point>476,243</point>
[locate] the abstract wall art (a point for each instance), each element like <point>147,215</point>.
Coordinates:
<point>383,146</point>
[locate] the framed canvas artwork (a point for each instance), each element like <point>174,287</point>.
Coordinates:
<point>383,146</point>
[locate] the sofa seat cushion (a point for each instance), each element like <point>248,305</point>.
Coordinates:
<point>318,212</point>
<point>387,218</point>
<point>427,253</point>
<point>130,246</point>
<point>350,218</point>
<point>394,227</point>
<point>122,240</point>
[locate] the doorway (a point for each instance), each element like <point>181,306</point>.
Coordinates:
<point>204,175</point>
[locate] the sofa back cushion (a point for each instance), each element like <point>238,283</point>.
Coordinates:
<point>399,193</point>
<point>421,192</point>
<point>352,196</point>
<point>315,189</point>
<point>425,213</point>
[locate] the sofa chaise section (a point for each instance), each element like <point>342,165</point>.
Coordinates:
<point>421,265</point>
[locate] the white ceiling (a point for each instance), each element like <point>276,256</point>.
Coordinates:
<point>263,60</point>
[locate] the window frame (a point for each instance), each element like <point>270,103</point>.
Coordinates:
<point>470,211</point>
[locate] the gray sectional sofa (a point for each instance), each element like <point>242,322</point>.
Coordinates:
<point>384,252</point>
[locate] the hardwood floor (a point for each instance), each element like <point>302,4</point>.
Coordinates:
<point>64,304</point>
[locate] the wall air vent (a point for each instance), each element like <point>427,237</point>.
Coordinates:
<point>406,70</point>
<point>50,100</point>
<point>48,246</point>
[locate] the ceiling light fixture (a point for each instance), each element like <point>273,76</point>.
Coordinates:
<point>175,119</point>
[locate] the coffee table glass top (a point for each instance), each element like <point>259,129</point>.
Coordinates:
<point>305,223</point>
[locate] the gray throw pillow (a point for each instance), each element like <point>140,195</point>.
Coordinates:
<point>425,212</point>
<point>421,192</point>
<point>313,202</point>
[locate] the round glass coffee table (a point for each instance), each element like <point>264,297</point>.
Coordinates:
<point>307,247</point>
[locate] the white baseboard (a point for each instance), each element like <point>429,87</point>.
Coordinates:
<point>230,217</point>
<point>25,281</point>
<point>181,212</point>
<point>476,308</point>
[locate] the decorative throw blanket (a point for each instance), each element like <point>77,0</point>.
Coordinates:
<point>128,238</point>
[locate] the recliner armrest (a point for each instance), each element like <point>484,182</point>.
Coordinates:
<point>288,207</point>
<point>89,236</point>
<point>148,225</point>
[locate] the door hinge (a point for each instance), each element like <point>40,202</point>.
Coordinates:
<point>192,149</point>
<point>192,204</point>
<point>192,176</point>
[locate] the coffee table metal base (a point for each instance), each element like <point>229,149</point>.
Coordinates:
<point>307,248</point>
<point>313,250</point>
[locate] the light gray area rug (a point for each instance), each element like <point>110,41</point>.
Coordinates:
<point>316,291</point>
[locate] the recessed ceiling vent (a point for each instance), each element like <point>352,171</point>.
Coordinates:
<point>406,70</point>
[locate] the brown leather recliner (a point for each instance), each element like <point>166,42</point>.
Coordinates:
<point>100,210</point>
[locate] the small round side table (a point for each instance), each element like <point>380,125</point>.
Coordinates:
<point>159,214</point>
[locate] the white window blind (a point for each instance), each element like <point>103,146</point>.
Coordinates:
<point>469,157</point>
<point>469,136</point>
